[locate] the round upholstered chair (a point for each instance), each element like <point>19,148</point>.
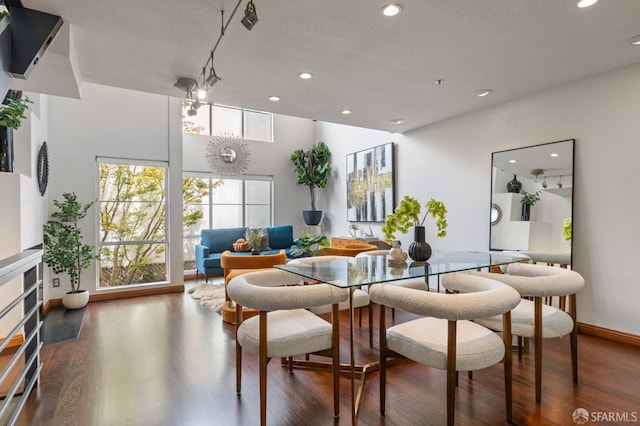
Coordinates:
<point>283,326</point>
<point>242,263</point>
<point>444,337</point>
<point>415,283</point>
<point>532,318</point>
<point>360,297</point>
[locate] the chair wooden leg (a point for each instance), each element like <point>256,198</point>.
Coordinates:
<point>537,303</point>
<point>263,368</point>
<point>370,310</point>
<point>393,313</point>
<point>335,344</point>
<point>383,356</point>
<point>520,343</point>
<point>290,364</point>
<point>451,372</point>
<point>574,338</point>
<point>359,317</point>
<point>238,351</point>
<point>508,375</point>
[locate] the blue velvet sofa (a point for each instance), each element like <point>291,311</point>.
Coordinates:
<point>214,241</point>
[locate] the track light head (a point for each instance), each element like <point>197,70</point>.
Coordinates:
<point>213,78</point>
<point>250,16</point>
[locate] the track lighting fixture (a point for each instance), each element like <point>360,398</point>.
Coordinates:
<point>203,85</point>
<point>250,16</point>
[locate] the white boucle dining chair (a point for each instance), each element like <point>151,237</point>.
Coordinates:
<point>360,297</point>
<point>445,338</point>
<point>532,318</point>
<point>284,327</point>
<point>416,283</point>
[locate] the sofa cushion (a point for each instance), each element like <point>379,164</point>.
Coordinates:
<point>213,261</point>
<point>280,237</point>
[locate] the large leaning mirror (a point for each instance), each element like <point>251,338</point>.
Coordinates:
<point>532,187</point>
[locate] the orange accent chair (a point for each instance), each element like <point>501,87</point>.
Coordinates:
<point>238,264</point>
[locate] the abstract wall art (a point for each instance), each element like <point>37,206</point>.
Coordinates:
<point>370,184</point>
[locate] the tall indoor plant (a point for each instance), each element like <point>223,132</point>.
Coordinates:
<point>12,113</point>
<point>313,168</point>
<point>406,215</point>
<point>64,250</point>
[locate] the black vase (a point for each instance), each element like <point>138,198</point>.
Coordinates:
<point>526,212</point>
<point>514,186</point>
<point>419,249</point>
<point>6,149</point>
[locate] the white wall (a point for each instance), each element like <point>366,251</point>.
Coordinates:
<point>115,123</point>
<point>451,161</point>
<point>22,210</point>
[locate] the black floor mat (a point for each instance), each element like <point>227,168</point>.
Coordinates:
<point>61,324</point>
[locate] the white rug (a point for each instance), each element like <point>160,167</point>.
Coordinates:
<point>209,294</point>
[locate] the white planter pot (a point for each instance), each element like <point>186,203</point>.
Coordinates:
<point>77,300</point>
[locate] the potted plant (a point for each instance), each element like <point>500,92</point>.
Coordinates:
<point>64,251</point>
<point>308,245</point>
<point>528,199</point>
<point>11,115</point>
<point>406,215</point>
<point>313,168</point>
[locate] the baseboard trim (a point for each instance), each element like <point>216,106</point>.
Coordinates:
<point>51,303</point>
<point>122,295</point>
<point>606,333</point>
<point>17,340</point>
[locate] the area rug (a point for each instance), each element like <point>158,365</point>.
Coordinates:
<point>210,295</point>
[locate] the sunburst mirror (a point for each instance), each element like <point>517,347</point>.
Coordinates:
<point>228,155</point>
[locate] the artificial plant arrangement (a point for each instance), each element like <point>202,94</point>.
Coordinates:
<point>12,113</point>
<point>313,168</point>
<point>530,198</point>
<point>309,245</point>
<point>407,214</point>
<point>64,251</point>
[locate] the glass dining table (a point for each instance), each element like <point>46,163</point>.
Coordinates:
<point>355,272</point>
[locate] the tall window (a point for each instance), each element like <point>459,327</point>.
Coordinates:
<point>223,203</point>
<point>220,119</point>
<point>133,245</point>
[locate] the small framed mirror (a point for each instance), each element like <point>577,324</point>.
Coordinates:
<point>496,214</point>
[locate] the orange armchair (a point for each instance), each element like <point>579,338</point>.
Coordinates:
<point>235,265</point>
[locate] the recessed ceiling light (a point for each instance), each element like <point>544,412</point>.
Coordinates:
<point>554,154</point>
<point>274,98</point>
<point>484,92</point>
<point>391,9</point>
<point>346,111</point>
<point>586,3</point>
<point>397,121</point>
<point>635,40</point>
<point>513,161</point>
<point>306,75</point>
<point>440,81</point>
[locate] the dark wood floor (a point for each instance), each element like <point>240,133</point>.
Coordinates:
<point>165,360</point>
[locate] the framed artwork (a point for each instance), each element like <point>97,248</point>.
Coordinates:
<point>370,184</point>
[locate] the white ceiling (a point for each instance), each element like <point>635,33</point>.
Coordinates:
<point>380,68</point>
